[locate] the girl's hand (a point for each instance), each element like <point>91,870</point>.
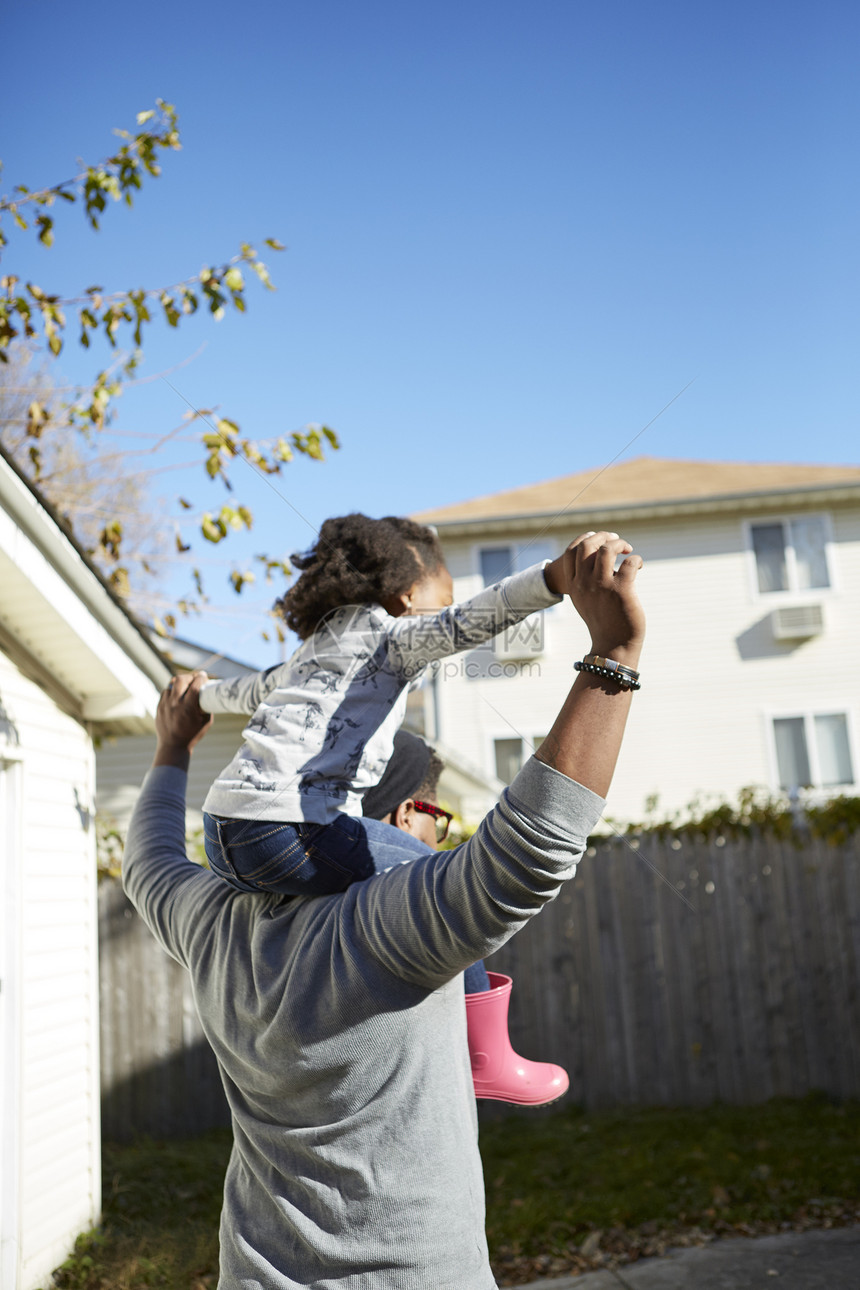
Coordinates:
<point>555,574</point>
<point>604,598</point>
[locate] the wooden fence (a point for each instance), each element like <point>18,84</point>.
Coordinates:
<point>749,991</point>
<point>158,1074</point>
<point>664,974</point>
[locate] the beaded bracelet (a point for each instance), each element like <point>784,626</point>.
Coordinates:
<point>612,666</point>
<point>625,677</point>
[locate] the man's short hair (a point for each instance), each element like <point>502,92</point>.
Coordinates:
<point>429,786</point>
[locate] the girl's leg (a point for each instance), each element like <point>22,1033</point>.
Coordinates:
<point>305,859</point>
<point>475,978</point>
<point>360,847</point>
<point>217,835</point>
<point>391,846</point>
<point>285,858</point>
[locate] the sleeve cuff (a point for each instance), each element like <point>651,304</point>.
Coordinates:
<point>568,807</point>
<point>167,782</point>
<point>206,696</point>
<point>528,590</point>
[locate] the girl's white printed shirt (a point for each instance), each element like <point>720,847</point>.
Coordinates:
<point>323,723</point>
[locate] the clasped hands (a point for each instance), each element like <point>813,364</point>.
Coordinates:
<point>180,722</point>
<point>603,596</point>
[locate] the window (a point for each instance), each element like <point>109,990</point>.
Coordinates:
<point>511,753</point>
<point>509,758</point>
<point>496,563</point>
<point>499,562</point>
<point>525,640</point>
<point>791,555</point>
<point>813,751</point>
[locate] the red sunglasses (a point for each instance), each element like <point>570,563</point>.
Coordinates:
<point>443,818</point>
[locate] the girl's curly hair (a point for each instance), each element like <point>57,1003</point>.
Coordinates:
<point>356,560</point>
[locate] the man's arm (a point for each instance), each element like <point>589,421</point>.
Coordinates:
<point>176,898</point>
<point>586,736</point>
<point>180,722</point>
<point>428,920</point>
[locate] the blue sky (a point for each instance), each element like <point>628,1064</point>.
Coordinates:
<point>514,233</point>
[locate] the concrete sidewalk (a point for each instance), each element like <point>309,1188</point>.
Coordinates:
<point>818,1260</point>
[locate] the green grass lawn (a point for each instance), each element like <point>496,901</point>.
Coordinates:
<point>630,1182</point>
<point>619,1184</point>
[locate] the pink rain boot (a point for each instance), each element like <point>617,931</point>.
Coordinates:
<point>497,1071</point>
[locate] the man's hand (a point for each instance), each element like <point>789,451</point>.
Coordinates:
<point>586,736</point>
<point>556,574</point>
<point>604,598</point>
<point>180,722</point>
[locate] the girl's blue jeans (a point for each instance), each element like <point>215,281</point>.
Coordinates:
<point>312,859</point>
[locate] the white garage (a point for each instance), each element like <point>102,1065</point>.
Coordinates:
<point>73,666</point>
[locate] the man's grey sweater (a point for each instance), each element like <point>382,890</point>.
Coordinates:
<point>339,1027</point>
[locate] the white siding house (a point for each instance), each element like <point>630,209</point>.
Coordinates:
<point>72,664</point>
<point>752,591</point>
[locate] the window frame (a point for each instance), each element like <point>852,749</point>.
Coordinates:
<point>808,715</point>
<point>792,594</point>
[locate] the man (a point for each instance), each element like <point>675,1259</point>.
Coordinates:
<point>338,1021</point>
<point>410,780</point>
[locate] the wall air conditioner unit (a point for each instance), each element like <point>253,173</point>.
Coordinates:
<point>797,622</point>
<point>523,641</point>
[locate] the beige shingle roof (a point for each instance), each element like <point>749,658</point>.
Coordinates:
<point>640,481</point>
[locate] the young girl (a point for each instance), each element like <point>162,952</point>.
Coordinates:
<point>373,608</point>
